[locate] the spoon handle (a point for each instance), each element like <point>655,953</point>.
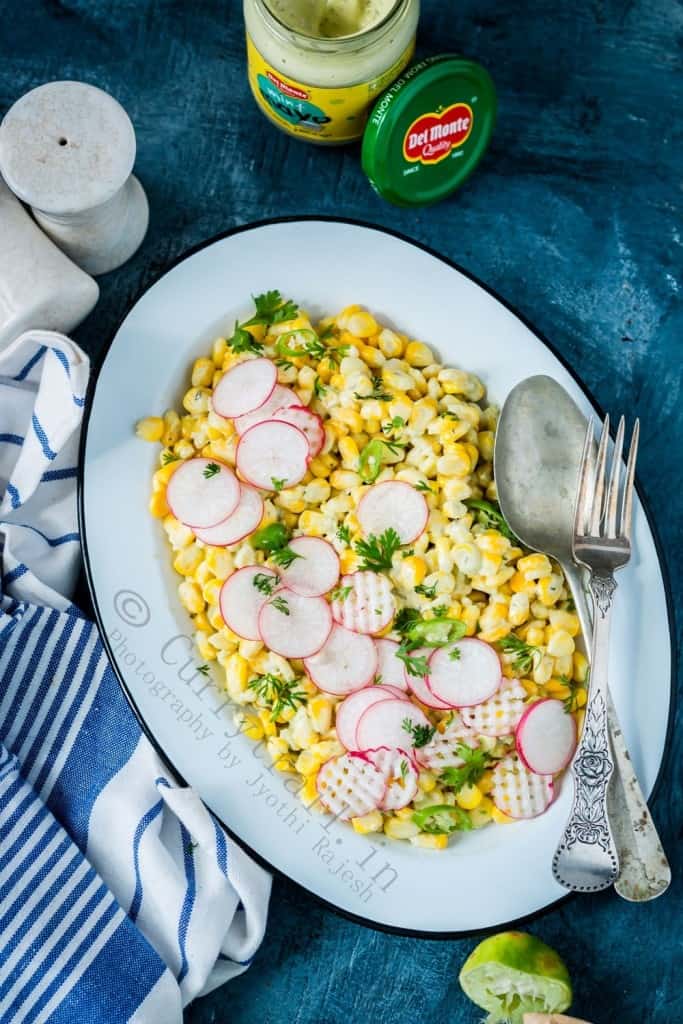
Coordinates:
<point>644,868</point>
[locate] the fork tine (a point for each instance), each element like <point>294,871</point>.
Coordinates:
<point>599,490</point>
<point>584,485</point>
<point>612,499</point>
<point>627,510</point>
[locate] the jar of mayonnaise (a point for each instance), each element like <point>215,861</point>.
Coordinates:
<point>316,67</point>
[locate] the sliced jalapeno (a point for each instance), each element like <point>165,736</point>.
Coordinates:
<point>270,538</point>
<point>442,819</point>
<point>370,461</point>
<point>436,632</point>
<point>285,349</point>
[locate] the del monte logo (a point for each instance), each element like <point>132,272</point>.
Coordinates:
<point>431,137</point>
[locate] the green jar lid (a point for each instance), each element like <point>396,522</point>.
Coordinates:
<point>429,131</point>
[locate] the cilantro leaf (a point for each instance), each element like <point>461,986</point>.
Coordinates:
<point>377,552</point>
<point>421,734</point>
<point>475,762</point>
<point>278,694</point>
<point>212,469</point>
<point>242,341</point>
<point>525,654</point>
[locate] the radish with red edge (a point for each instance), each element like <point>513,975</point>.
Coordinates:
<point>390,669</point>
<point>281,398</point>
<point>365,603</point>
<point>241,601</point>
<point>393,505</point>
<point>419,685</point>
<point>471,677</point>
<point>202,492</point>
<point>308,422</point>
<point>240,524</point>
<point>546,737</point>
<point>272,455</point>
<point>350,786</point>
<point>390,723</point>
<point>442,750</point>
<point>294,626</point>
<point>499,715</point>
<point>244,388</point>
<point>347,662</point>
<point>315,571</point>
<point>400,775</point>
<point>349,711</point>
<point>518,792</point>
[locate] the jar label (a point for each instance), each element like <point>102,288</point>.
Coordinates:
<point>432,137</point>
<point>314,112</point>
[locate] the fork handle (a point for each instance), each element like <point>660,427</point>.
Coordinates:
<point>586,859</point>
<point>644,869</point>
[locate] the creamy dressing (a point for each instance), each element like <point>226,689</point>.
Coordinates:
<point>331,19</point>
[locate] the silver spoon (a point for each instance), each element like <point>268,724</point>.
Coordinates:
<point>539,441</point>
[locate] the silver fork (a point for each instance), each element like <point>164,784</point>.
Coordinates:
<point>586,859</point>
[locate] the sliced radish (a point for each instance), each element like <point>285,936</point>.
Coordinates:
<point>441,751</point>
<point>546,737</point>
<point>400,775</point>
<point>350,786</point>
<point>240,601</point>
<point>390,669</point>
<point>350,710</point>
<point>315,571</point>
<point>308,422</point>
<point>367,605</point>
<point>240,524</point>
<point>419,685</point>
<point>470,678</point>
<point>499,715</point>
<point>202,492</point>
<point>520,793</point>
<point>281,398</point>
<point>384,725</point>
<point>393,505</point>
<point>294,626</point>
<point>244,387</point>
<point>347,662</point>
<point>272,455</point>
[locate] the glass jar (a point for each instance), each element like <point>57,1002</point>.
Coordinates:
<point>321,88</point>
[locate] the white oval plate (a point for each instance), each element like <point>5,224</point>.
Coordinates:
<point>484,879</point>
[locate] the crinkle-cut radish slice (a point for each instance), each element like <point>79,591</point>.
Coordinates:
<point>390,669</point>
<point>349,711</point>
<point>393,505</point>
<point>499,715</point>
<point>518,792</point>
<point>368,602</point>
<point>546,737</point>
<point>384,725</point>
<point>441,751</point>
<point>240,524</point>
<point>244,387</point>
<point>308,422</point>
<point>315,571</point>
<point>240,601</point>
<point>400,775</point>
<point>272,455</point>
<point>350,786</point>
<point>418,685</point>
<point>281,398</point>
<point>470,678</point>
<point>294,626</point>
<point>202,492</point>
<point>347,662</point>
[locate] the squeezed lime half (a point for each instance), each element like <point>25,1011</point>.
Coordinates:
<point>514,973</point>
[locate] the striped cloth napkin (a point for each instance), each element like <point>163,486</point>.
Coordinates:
<point>121,899</point>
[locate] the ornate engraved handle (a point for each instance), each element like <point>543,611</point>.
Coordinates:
<point>586,859</point>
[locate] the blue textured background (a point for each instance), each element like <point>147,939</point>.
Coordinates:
<point>575,217</point>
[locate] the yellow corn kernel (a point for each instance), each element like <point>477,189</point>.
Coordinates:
<point>469,797</point>
<point>470,616</point>
<point>196,400</point>
<point>349,417</point>
<point>252,728</point>
<point>533,567</point>
<point>519,584</point>
<point>320,713</point>
<point>219,350</point>
<point>291,499</point>
<point>348,449</point>
<point>371,822</point>
<point>202,372</point>
<point>496,633</point>
<point>567,621</point>
<point>191,597</point>
<point>530,687</point>
<point>150,429</point>
<point>397,829</point>
<point>327,749</point>
<point>560,643</point>
<point>580,697</point>
<point>518,610</point>
<point>390,344</point>
<point>550,589</point>
<point>499,817</point>
<point>267,723</point>
<point>580,663</point>
<point>468,558</point>
<point>564,666</point>
<point>187,560</point>
<point>395,376</point>
<point>535,636</point>
<point>418,354</point>
<point>312,523</point>
<point>372,356</point>
<point>171,432</point>
<point>473,453</point>
<point>319,467</point>
<point>236,674</point>
<point>543,670</point>
<point>485,783</point>
<point>455,462</point>
<point>216,619</point>
<point>556,688</point>
<point>413,571</point>
<point>481,815</point>
<point>206,651</point>
<point>426,781</point>
<point>211,591</point>
<point>361,324</point>
<point>344,480</point>
<point>348,561</point>
<point>492,542</point>
<point>426,841</point>
<point>485,439</point>
<point>220,562</point>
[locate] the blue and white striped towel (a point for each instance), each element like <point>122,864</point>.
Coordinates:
<point>120,896</point>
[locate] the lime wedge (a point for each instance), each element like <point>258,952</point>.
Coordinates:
<point>514,973</point>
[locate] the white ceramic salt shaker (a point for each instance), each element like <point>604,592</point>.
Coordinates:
<point>39,286</point>
<point>68,149</point>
